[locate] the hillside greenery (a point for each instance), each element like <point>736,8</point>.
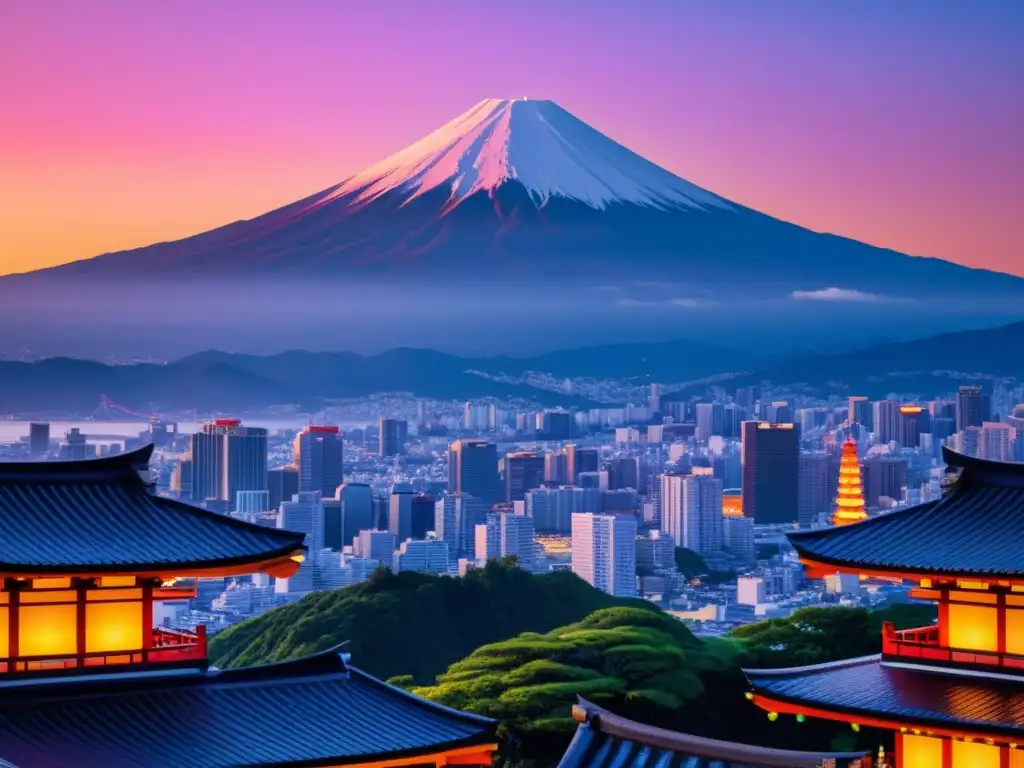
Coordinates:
<point>411,623</point>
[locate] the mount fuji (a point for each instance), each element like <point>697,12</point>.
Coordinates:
<point>519,197</point>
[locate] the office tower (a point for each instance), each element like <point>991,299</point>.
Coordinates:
<point>886,414</point>
<point>38,438</point>
<point>555,468</point>
<point>422,516</point>
<point>319,456</point>
<point>943,409</point>
<point>747,397</point>
<point>624,501</point>
<point>456,516</point>
<point>487,539</point>
<point>282,484</point>
<point>400,512</point>
<point>524,471</point>
<point>376,545</point>
<point>604,552</point>
<point>598,480</point>
<point>973,407</point>
<point>732,420</point>
<point>181,479</point>
<point>580,460</point>
<point>227,458</point>
<point>693,513</point>
<point>968,441</point>
<point>356,509</point>
<point>334,532</point>
<point>655,551</point>
<point>429,556</point>
<point>771,469</point>
<point>552,508</point>
<point>861,412</point>
<point>477,416</point>
<point>393,436</point>
<point>76,446</point>
<point>671,505</point>
<point>850,507</point>
<point>912,422</point>
<point>778,412</point>
<point>473,469</point>
<point>516,539</point>
<point>556,425</point>
<point>624,472</point>
<point>883,476</point>
<point>814,491</point>
<point>738,538</point>
<point>997,441</point>
<point>654,401</point>
<point>710,420</point>
<point>251,503</point>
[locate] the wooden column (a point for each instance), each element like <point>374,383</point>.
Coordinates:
<point>1004,757</point>
<point>81,585</point>
<point>13,588</point>
<point>947,753</point>
<point>944,619</point>
<point>147,618</point>
<point>1001,622</point>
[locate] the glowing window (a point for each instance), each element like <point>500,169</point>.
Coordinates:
<point>113,627</point>
<point>48,630</point>
<point>1015,632</point>
<point>1017,758</point>
<point>4,636</point>
<point>973,627</point>
<point>920,752</point>
<point>974,754</point>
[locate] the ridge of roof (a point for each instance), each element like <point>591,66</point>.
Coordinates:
<point>120,466</point>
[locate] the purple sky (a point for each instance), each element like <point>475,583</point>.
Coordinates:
<point>125,123</point>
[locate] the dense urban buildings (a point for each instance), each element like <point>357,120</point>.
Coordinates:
<point>320,458</point>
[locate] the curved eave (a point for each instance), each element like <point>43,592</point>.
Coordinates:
<point>119,465</point>
<point>281,563</point>
<point>819,567</point>
<point>1010,473</point>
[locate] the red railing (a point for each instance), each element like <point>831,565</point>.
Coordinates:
<point>922,644</point>
<point>167,645</point>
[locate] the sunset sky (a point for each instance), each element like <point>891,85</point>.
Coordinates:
<point>129,122</point>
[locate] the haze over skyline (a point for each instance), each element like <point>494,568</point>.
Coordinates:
<point>895,125</point>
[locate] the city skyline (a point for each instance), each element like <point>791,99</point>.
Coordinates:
<point>901,137</point>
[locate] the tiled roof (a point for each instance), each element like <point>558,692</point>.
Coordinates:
<point>606,740</point>
<point>973,530</point>
<point>78,516</point>
<point>914,696</point>
<point>310,712</point>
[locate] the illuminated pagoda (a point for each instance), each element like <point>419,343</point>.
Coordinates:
<point>850,495</point>
<point>605,740</point>
<point>86,681</point>
<point>952,693</point>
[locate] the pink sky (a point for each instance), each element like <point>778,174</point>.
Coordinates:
<point>126,123</point>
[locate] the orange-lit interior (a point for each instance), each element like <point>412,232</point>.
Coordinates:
<point>48,630</point>
<point>113,626</point>
<point>973,627</point>
<point>850,506</point>
<point>920,752</point>
<point>974,754</point>
<point>732,506</point>
<point>1015,632</point>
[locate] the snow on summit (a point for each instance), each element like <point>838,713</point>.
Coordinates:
<point>537,143</point>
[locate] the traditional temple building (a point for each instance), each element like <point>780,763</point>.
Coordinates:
<point>605,740</point>
<point>86,681</point>
<point>850,494</point>
<point>952,693</point>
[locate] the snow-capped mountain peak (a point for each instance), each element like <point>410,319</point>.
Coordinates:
<point>534,142</point>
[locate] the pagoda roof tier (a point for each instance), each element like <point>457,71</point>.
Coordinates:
<point>975,529</point>
<point>100,516</point>
<point>314,711</point>
<point>605,740</point>
<point>885,695</point>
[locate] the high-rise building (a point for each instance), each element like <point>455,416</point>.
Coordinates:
<point>251,503</point>
<point>488,539</point>
<point>778,412</point>
<point>556,425</point>
<point>356,509</point>
<point>604,552</point>
<point>552,508</point>
<point>814,492</point>
<point>912,422</point>
<point>594,479</point>
<point>38,438</point>
<point>700,517</point>
<point>456,516</point>
<point>580,460</point>
<point>319,456</point>
<point>304,513</point>
<point>77,447</point>
<point>738,538</point>
<point>710,420</point>
<point>973,407</point>
<point>771,470</point>
<point>393,436</point>
<point>227,458</point>
<point>861,412</point>
<point>850,506</point>
<point>996,441</point>
<point>886,415</point>
<point>376,545</point>
<point>282,484</point>
<point>473,469</point>
<point>883,476</point>
<point>747,397</point>
<point>426,556</point>
<point>516,539</point>
<point>624,472</point>
<point>400,512</point>
<point>655,551</point>
<point>555,468</point>
<point>524,471</point>
<point>422,516</point>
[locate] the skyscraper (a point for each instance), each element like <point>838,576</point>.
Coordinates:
<point>516,539</point>
<point>771,459</point>
<point>524,470</point>
<point>912,422</point>
<point>624,472</point>
<point>973,407</point>
<point>393,435</point>
<point>701,518</point>
<point>710,420</point>
<point>400,512</point>
<point>356,509</point>
<point>814,492</point>
<point>227,458</point>
<point>38,438</point>
<point>580,460</point>
<point>473,469</point>
<point>861,412</point>
<point>604,552</point>
<point>282,484</point>
<point>422,516</point>
<point>883,476</point>
<point>555,468</point>
<point>456,516</point>
<point>886,415</point>
<point>996,441</point>
<point>319,456</point>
